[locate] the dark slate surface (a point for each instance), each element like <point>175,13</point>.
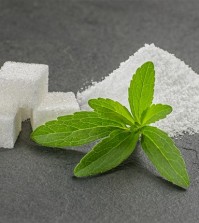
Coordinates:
<point>83,41</point>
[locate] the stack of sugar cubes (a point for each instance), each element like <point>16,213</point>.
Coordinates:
<point>24,95</point>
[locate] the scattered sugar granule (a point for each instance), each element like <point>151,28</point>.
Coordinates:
<point>10,125</point>
<point>176,84</point>
<point>54,104</point>
<point>23,83</point>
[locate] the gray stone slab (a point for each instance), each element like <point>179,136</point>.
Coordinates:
<point>83,41</point>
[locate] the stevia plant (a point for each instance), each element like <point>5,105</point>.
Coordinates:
<point>119,131</point>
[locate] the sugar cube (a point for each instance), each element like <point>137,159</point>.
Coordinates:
<point>55,104</point>
<point>10,125</point>
<point>24,83</point>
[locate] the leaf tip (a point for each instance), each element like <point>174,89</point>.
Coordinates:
<point>76,171</point>
<point>188,183</point>
<point>149,63</point>
<point>170,107</point>
<point>32,135</point>
<point>90,102</point>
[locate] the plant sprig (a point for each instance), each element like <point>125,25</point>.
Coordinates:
<point>119,131</point>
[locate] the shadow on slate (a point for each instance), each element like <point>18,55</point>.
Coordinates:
<point>83,41</point>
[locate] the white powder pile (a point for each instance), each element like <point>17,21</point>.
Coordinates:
<point>176,84</point>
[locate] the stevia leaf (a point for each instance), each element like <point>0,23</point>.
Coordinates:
<point>111,109</point>
<point>107,154</point>
<point>141,90</point>
<point>155,113</point>
<point>165,156</point>
<point>73,130</point>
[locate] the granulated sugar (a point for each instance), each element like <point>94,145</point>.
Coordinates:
<point>176,84</point>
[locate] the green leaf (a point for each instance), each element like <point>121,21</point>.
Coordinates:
<point>119,131</point>
<point>73,130</point>
<point>165,156</point>
<point>155,113</point>
<point>141,90</point>
<point>112,109</point>
<point>107,154</point>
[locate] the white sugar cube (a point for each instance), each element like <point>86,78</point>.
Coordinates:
<point>55,104</point>
<point>10,125</point>
<point>24,83</point>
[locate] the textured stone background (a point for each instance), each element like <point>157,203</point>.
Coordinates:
<point>83,41</point>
